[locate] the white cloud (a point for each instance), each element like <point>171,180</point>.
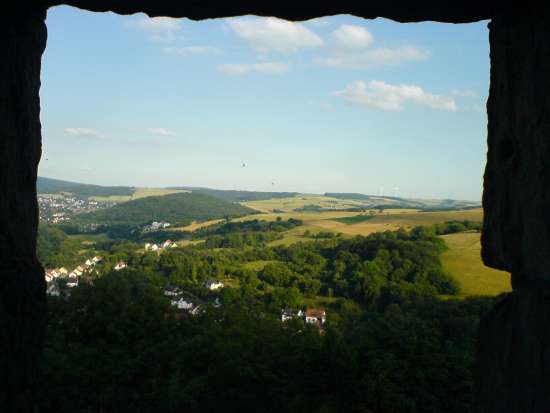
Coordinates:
<point>271,34</point>
<point>162,29</point>
<point>351,37</point>
<point>318,21</point>
<point>463,92</point>
<point>191,50</point>
<point>82,132</point>
<point>374,57</point>
<point>381,95</point>
<point>161,132</point>
<point>268,68</point>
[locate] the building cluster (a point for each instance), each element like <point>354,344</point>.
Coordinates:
<point>313,316</point>
<point>181,301</point>
<point>155,226</point>
<point>60,208</point>
<point>168,244</point>
<point>71,278</point>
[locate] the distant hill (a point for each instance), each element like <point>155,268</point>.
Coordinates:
<point>393,201</point>
<point>238,196</point>
<point>178,209</point>
<point>55,186</point>
<point>348,195</point>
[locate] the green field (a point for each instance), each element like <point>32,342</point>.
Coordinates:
<point>463,261</point>
<point>354,219</point>
<point>257,265</point>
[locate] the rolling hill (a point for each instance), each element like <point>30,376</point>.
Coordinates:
<point>55,186</point>
<point>178,209</point>
<point>237,196</point>
<point>392,201</point>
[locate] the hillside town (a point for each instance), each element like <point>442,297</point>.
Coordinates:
<point>60,208</point>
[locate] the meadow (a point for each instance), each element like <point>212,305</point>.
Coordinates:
<point>463,261</point>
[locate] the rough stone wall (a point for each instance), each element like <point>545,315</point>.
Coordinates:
<point>458,11</point>
<point>22,286</point>
<point>516,200</point>
<point>514,341</point>
<point>513,357</point>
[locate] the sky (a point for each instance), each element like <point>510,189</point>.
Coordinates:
<point>337,104</point>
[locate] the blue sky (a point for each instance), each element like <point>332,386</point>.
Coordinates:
<point>338,104</point>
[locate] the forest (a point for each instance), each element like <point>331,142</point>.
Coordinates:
<point>395,339</point>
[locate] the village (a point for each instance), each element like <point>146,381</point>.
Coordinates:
<point>60,281</point>
<point>59,208</point>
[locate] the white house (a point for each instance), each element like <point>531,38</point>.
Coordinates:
<point>120,265</point>
<point>182,304</point>
<point>172,291</point>
<point>154,247</point>
<point>75,274</point>
<point>289,314</point>
<point>97,259</point>
<point>167,244</point>
<point>89,263</point>
<point>213,285</point>
<point>48,275</point>
<point>147,246</point>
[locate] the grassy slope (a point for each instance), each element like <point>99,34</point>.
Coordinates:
<point>463,261</point>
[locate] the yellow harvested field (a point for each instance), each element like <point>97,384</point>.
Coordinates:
<point>389,220</point>
<point>139,193</point>
<point>463,261</point>
<point>304,216</point>
<point>393,221</point>
<point>197,225</point>
<point>295,235</point>
<point>301,200</point>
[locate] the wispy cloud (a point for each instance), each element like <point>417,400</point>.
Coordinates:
<point>191,50</point>
<point>384,96</point>
<point>269,34</point>
<point>161,29</point>
<point>351,37</point>
<point>87,133</point>
<point>161,132</point>
<point>349,47</point>
<point>268,68</point>
<point>81,131</point>
<point>373,57</point>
